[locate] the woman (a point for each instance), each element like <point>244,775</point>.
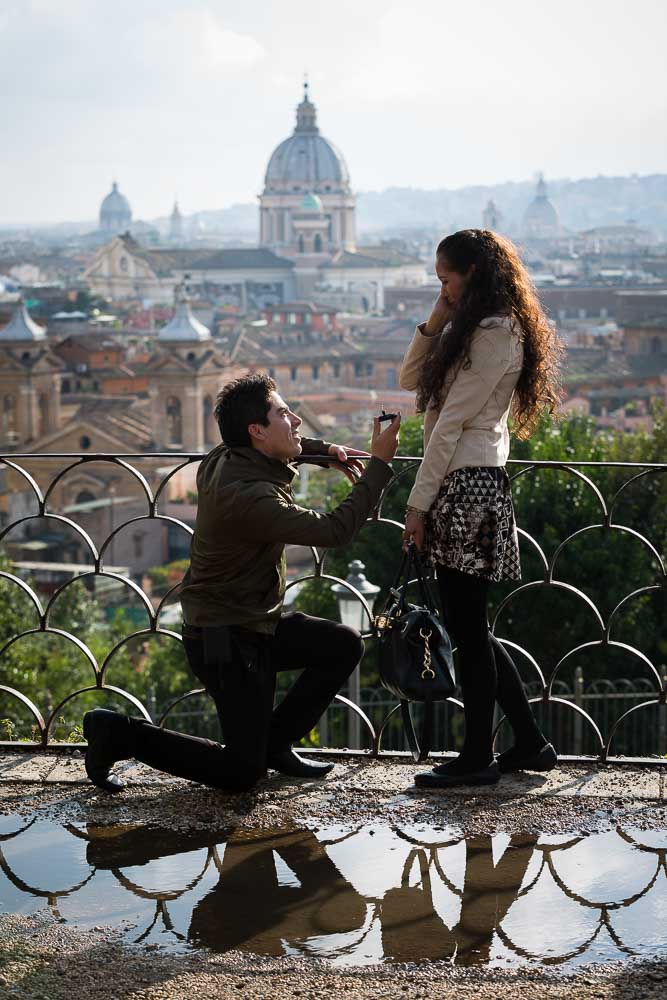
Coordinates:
<point>485,354</point>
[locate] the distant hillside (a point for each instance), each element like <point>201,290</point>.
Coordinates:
<point>581,204</point>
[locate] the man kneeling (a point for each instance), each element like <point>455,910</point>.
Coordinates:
<point>234,633</point>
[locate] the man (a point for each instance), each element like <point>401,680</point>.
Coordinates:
<point>234,635</point>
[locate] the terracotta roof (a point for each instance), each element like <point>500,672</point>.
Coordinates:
<point>165,262</point>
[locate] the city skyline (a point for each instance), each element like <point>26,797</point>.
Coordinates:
<point>188,100</point>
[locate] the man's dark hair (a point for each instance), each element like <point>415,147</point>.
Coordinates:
<point>243,401</point>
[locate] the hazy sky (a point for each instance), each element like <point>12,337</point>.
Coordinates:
<point>189,99</point>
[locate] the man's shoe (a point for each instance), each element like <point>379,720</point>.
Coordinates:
<point>288,762</point>
<point>489,775</point>
<point>515,759</point>
<point>103,731</point>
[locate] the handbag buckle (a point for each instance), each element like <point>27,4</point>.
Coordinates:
<point>382,622</point>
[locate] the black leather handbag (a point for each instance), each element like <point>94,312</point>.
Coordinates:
<point>415,652</point>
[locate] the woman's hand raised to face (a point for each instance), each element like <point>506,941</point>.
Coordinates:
<point>440,316</point>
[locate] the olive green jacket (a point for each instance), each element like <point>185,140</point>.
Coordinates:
<point>246,515</point>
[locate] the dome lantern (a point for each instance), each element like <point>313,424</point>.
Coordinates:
<point>306,113</point>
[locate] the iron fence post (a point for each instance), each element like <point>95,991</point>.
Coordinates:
<point>579,702</point>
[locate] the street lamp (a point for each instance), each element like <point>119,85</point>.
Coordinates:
<point>353,613</point>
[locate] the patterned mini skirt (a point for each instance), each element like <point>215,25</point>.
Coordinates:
<point>471,525</point>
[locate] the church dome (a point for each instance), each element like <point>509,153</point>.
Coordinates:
<point>306,160</point>
<point>541,218</point>
<point>183,327</point>
<point>311,203</point>
<point>115,211</point>
<point>22,327</point>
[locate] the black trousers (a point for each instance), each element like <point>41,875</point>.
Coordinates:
<point>240,676</point>
<point>486,670</point>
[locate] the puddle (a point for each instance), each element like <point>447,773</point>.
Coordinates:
<point>377,893</point>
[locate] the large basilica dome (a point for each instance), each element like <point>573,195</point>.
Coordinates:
<point>307,164</point>
<point>306,161</point>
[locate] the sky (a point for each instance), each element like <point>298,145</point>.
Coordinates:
<point>187,100</point>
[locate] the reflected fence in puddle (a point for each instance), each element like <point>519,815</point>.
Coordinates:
<point>372,894</point>
<point>622,710</point>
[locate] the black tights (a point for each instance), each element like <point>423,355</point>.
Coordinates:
<point>486,670</point>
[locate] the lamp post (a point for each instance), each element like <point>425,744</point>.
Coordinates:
<point>352,613</point>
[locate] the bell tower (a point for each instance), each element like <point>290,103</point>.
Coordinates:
<point>29,383</point>
<point>185,377</point>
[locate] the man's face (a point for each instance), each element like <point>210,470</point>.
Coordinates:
<point>279,438</point>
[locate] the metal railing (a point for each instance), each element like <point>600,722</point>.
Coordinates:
<point>543,557</point>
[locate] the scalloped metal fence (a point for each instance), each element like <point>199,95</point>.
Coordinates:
<point>543,555</point>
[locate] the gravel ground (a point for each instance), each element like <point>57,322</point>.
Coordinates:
<point>41,958</point>
<point>44,960</point>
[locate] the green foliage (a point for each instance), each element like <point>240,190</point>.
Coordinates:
<point>551,504</point>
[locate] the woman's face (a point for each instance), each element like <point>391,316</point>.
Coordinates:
<point>453,283</point>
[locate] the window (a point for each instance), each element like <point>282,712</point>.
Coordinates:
<point>369,367</point>
<point>174,421</point>
<point>43,410</point>
<point>122,264</point>
<point>292,374</point>
<point>317,245</point>
<point>276,317</point>
<point>316,371</point>
<point>302,247</point>
<point>209,422</point>
<point>358,369</point>
<point>84,444</point>
<point>656,345</point>
<point>392,378</point>
<point>336,369</point>
<point>9,414</point>
<point>138,539</point>
<point>291,319</point>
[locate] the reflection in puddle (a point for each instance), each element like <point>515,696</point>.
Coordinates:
<point>373,894</point>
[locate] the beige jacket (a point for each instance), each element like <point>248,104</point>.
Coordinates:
<point>470,429</point>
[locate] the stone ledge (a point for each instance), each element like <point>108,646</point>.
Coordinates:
<point>365,774</point>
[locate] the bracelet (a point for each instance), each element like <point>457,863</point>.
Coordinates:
<point>416,511</point>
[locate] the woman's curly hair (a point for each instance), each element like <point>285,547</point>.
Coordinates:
<point>498,285</point>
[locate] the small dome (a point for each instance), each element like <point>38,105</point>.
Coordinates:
<point>22,328</point>
<point>541,218</point>
<point>311,203</point>
<point>183,326</point>
<point>115,211</point>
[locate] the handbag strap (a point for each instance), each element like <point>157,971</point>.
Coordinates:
<point>420,854</point>
<point>420,748</point>
<point>422,582</point>
<point>410,562</point>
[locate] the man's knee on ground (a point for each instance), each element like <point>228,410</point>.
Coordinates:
<point>244,778</point>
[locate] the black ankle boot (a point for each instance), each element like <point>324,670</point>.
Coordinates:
<point>288,762</point>
<point>516,759</point>
<point>108,736</point>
